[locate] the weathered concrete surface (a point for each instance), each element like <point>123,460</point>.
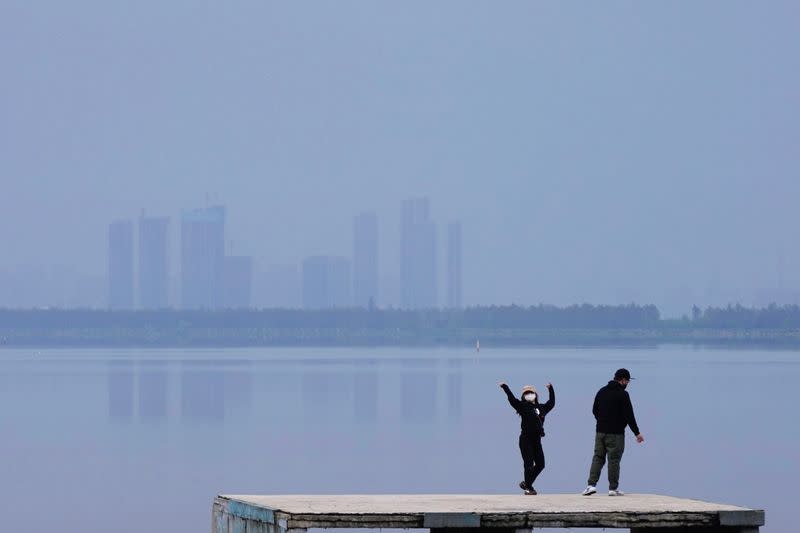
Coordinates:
<point>279,514</point>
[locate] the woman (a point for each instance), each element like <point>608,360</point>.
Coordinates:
<point>532,414</point>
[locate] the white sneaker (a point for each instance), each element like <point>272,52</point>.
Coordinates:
<point>589,490</point>
<point>616,493</point>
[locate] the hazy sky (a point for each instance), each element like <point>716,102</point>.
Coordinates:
<point>594,151</point>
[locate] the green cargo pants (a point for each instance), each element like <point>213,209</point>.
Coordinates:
<point>613,446</point>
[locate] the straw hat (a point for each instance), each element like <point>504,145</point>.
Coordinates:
<point>528,388</point>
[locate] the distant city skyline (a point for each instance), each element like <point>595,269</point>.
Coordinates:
<point>152,283</point>
<point>153,262</point>
<point>418,255</point>
<point>366,277</point>
<point>120,265</point>
<point>210,278</point>
<point>237,282</point>
<point>202,258</point>
<point>274,285</point>
<point>454,267</point>
<point>326,282</point>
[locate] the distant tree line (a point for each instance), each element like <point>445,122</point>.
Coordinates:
<point>507,317</point>
<point>498,325</point>
<point>740,317</point>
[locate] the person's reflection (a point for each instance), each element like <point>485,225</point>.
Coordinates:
<point>120,390</point>
<point>202,391</point>
<point>454,389</point>
<point>365,392</point>
<point>418,391</point>
<point>152,390</point>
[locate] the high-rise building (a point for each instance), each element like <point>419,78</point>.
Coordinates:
<point>120,265</point>
<point>326,282</point>
<point>315,282</point>
<point>417,256</point>
<point>202,258</point>
<point>365,260</point>
<point>277,286</point>
<point>153,262</point>
<point>454,265</point>
<point>238,282</point>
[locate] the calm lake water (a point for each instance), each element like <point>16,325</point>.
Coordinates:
<point>142,440</point>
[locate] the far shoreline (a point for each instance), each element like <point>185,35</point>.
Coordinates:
<point>219,338</point>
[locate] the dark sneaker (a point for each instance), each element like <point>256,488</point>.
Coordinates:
<point>523,486</point>
<point>531,492</point>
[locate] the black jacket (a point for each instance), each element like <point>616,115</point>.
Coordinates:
<point>532,414</point>
<point>613,410</point>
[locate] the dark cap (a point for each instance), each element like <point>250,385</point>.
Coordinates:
<point>622,373</point>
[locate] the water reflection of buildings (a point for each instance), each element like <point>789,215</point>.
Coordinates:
<point>209,390</point>
<point>454,407</point>
<point>238,388</point>
<point>202,391</point>
<point>332,392</point>
<point>137,389</point>
<point>120,390</point>
<point>152,387</point>
<point>365,392</point>
<point>325,395</point>
<point>418,391</point>
<point>214,390</point>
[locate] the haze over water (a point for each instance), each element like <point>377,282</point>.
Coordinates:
<point>135,440</point>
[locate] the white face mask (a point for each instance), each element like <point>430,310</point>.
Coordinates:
<point>531,397</point>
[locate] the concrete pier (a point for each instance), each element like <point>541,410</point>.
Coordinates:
<point>641,513</point>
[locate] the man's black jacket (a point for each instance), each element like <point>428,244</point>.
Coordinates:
<point>613,410</point>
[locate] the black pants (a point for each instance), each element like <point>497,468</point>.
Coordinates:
<point>532,457</point>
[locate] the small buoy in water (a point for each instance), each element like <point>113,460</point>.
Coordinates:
<point>477,346</point>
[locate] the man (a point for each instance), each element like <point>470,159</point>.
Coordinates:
<point>613,411</point>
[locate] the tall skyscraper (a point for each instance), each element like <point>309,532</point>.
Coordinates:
<point>454,265</point>
<point>417,255</point>
<point>202,258</point>
<point>238,281</point>
<point>153,262</point>
<point>326,282</point>
<point>120,265</point>
<point>365,260</point>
